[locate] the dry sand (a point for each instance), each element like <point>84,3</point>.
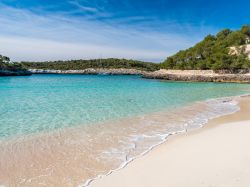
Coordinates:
<point>216,155</point>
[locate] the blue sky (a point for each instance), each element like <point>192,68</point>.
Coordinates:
<point>147,30</point>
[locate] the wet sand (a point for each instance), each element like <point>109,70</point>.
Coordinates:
<point>69,157</point>
<point>215,155</point>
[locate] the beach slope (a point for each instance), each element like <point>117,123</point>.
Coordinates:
<point>217,155</point>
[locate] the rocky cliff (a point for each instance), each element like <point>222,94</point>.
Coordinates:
<point>15,73</point>
<point>90,71</point>
<point>171,75</point>
<point>199,76</point>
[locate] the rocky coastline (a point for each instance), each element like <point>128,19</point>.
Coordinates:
<point>15,73</point>
<point>170,75</point>
<point>199,76</point>
<point>91,71</point>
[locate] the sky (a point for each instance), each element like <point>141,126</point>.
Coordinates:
<point>149,30</point>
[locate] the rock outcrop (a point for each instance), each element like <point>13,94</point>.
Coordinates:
<point>236,50</point>
<point>171,75</point>
<point>90,71</point>
<point>198,76</point>
<point>15,73</point>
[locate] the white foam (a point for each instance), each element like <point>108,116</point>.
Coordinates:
<point>215,108</point>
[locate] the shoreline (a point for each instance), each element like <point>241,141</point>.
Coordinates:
<point>91,71</point>
<point>41,151</point>
<point>180,133</point>
<point>59,142</point>
<point>241,116</point>
<point>222,76</point>
<point>4,73</point>
<point>199,76</point>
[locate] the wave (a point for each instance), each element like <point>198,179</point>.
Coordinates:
<point>71,155</point>
<point>214,108</point>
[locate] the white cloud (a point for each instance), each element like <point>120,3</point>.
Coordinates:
<point>27,49</point>
<point>26,35</point>
<point>84,8</point>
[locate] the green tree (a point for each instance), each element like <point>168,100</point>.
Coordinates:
<point>213,52</point>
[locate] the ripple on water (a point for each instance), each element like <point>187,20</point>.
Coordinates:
<point>73,156</point>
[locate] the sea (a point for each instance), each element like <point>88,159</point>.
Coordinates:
<point>67,130</point>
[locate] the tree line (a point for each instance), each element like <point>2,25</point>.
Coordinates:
<point>214,52</point>
<point>225,50</point>
<point>5,64</point>
<point>93,63</point>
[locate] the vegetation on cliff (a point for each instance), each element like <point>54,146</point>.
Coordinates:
<point>94,63</point>
<point>223,51</point>
<point>214,52</point>
<point>6,65</point>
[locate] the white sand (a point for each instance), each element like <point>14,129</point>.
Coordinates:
<point>216,156</point>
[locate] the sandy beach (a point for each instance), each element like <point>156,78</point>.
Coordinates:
<point>215,155</point>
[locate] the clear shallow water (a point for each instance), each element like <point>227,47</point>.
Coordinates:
<point>47,102</point>
<point>62,130</point>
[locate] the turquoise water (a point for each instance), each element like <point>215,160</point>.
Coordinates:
<point>47,102</point>
<point>64,130</point>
